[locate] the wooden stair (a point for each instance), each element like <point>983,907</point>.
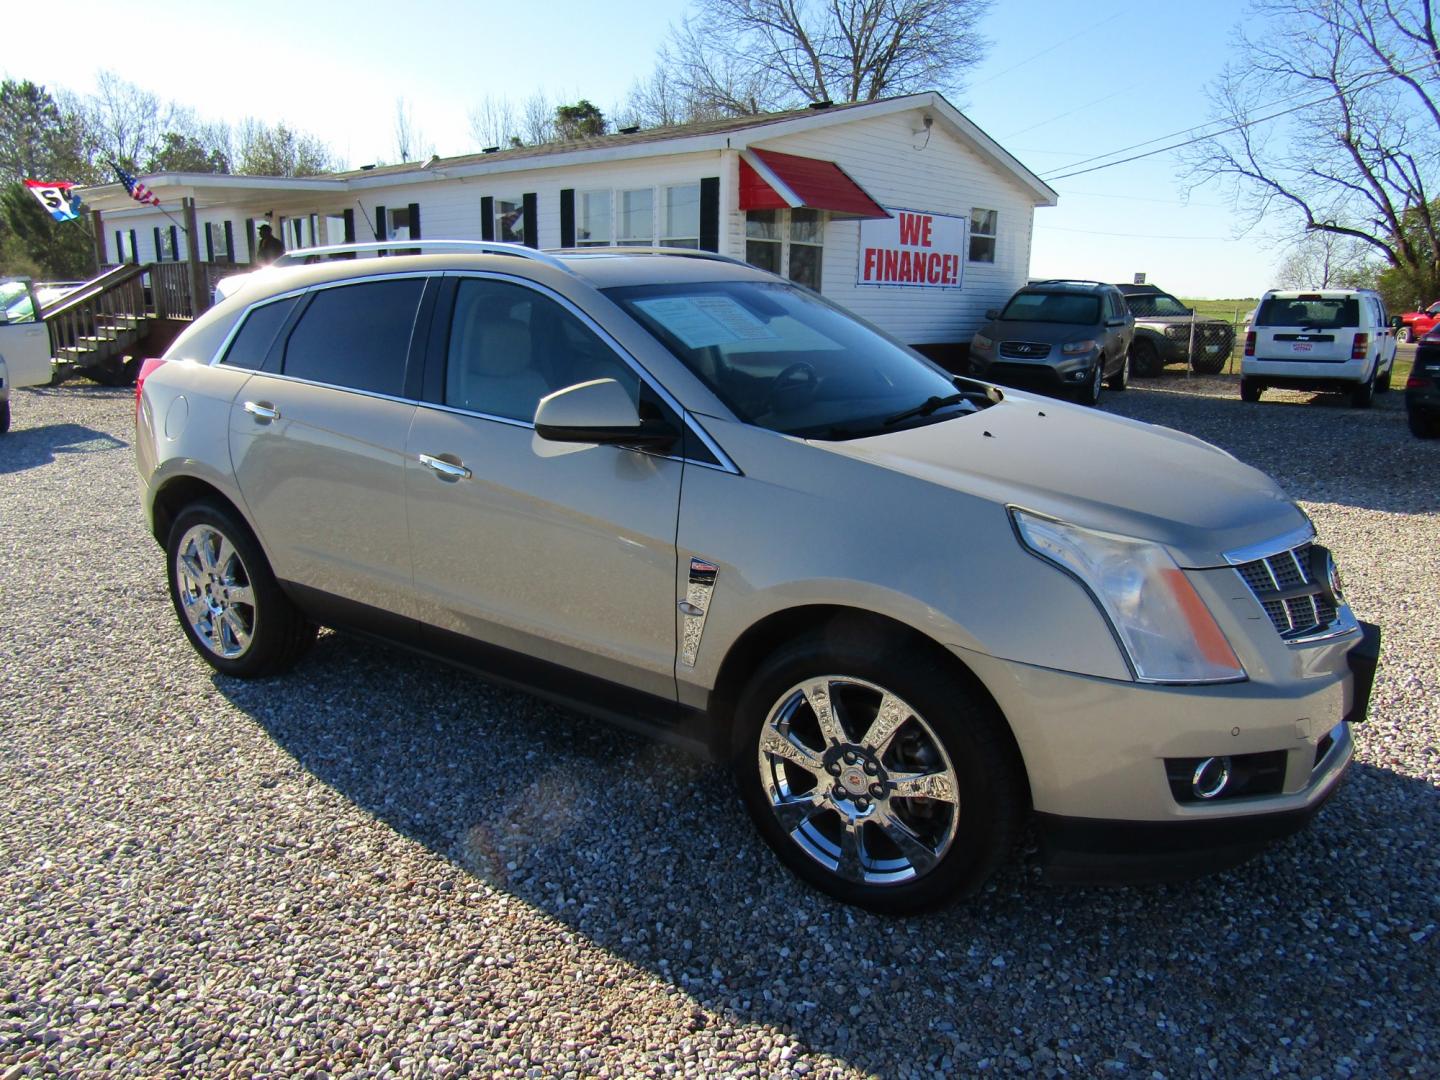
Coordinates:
<point>97,329</point>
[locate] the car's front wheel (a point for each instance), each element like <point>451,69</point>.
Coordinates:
<point>1144,359</point>
<point>228,601</point>
<point>876,774</point>
<point>1403,335</point>
<point>1121,379</point>
<point>4,417</point>
<point>1088,392</point>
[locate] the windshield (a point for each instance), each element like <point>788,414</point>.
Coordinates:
<point>15,304</point>
<point>1052,307</point>
<point>784,359</point>
<point>1155,304</point>
<point>1314,312</point>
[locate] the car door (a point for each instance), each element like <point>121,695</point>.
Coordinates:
<point>317,438</point>
<point>24,337</point>
<point>559,554</point>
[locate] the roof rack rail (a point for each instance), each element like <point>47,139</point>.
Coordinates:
<point>687,253</point>
<point>1066,281</point>
<point>479,247</point>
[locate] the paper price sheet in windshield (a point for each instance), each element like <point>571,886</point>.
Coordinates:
<point>699,321</point>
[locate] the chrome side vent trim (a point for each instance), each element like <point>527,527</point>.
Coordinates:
<point>695,607</point>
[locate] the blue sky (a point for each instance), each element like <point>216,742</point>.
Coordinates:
<point>1063,80</point>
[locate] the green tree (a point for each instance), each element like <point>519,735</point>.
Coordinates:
<point>261,150</point>
<point>33,242</point>
<point>37,139</point>
<point>178,152</point>
<point>579,121</point>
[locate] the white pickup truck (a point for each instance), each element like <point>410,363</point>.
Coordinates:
<point>24,343</point>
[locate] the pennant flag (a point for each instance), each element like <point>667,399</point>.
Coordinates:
<point>58,197</point>
<point>138,191</point>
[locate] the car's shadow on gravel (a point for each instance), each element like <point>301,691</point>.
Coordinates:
<point>649,855</point>
<point>27,448</point>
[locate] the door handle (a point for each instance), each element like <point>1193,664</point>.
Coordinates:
<point>448,470</point>
<point>262,410</point>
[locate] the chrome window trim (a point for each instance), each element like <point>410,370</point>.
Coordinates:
<point>1266,549</point>
<point>725,462</point>
<point>333,386</point>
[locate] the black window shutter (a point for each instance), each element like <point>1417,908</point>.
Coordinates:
<point>487,218</point>
<point>249,240</point>
<point>532,220</point>
<point>567,218</point>
<point>710,213</point>
<point>349,216</point>
<point>159,255</point>
<point>414,221</point>
<point>119,246</point>
<point>229,241</point>
<point>175,243</point>
<point>134,249</point>
<point>209,242</point>
<point>381,232</point>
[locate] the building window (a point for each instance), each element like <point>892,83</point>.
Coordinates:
<point>682,217</point>
<point>593,228</point>
<point>399,224</point>
<point>637,218</point>
<point>786,242</point>
<point>982,236</point>
<point>510,220</point>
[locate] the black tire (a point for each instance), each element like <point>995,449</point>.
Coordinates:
<point>1382,384</point>
<point>1088,392</point>
<point>948,717</point>
<point>1424,424</point>
<point>1210,365</point>
<point>1363,393</point>
<point>1144,359</point>
<point>4,416</point>
<point>1403,335</point>
<point>277,633</point>
<point>1250,389</point>
<point>1121,379</point>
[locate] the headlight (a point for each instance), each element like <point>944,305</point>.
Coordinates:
<point>1164,626</point>
<point>980,341</point>
<point>1075,348</point>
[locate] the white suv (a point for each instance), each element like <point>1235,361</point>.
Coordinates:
<point>1335,340</point>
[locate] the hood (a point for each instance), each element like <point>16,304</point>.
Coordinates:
<point>1177,320</point>
<point>1049,332</point>
<point>1096,471</point>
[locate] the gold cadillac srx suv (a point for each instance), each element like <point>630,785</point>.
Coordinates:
<point>681,494</point>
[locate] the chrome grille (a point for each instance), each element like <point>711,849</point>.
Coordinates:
<point>1292,616</point>
<point>1025,350</point>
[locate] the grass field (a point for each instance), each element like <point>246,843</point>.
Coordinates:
<point>1235,313</point>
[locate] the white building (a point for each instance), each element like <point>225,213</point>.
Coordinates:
<point>902,210</point>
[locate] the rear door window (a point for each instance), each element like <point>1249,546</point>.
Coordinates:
<point>356,336</point>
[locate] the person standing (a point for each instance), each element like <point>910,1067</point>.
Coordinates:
<point>270,248</point>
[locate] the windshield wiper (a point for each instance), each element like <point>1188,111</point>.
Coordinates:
<point>926,407</point>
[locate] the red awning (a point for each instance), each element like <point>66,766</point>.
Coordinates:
<point>778,181</point>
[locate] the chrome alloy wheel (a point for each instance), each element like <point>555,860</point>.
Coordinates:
<point>858,780</point>
<point>215,593</point>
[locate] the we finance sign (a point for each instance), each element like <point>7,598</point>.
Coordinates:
<point>913,249</point>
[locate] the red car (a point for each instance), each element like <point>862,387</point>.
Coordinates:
<point>1416,324</point>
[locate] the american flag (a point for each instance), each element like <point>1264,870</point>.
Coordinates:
<point>138,191</point>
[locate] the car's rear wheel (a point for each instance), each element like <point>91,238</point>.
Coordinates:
<point>1424,424</point>
<point>876,774</point>
<point>1403,335</point>
<point>227,599</point>
<point>4,417</point>
<point>1382,384</point>
<point>1250,389</point>
<point>1363,393</point>
<point>1121,379</point>
<point>1144,359</point>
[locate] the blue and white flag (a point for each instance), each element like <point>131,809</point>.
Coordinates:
<point>58,197</point>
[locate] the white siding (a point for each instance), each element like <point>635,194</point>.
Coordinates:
<point>883,156</point>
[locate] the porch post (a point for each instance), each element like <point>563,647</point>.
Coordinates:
<point>199,299</point>
<point>99,228</point>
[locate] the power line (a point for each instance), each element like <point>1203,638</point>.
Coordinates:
<point>1135,236</point>
<point>1045,51</point>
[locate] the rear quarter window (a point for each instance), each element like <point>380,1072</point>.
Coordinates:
<point>356,336</point>
<point>257,333</point>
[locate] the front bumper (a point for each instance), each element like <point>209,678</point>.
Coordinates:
<point>1095,753</point>
<point>1052,374</point>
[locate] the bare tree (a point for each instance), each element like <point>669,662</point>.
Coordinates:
<point>1331,115</point>
<point>1326,260</point>
<point>537,119</point>
<point>261,150</point>
<point>751,55</point>
<point>409,140</point>
<point>492,123</point>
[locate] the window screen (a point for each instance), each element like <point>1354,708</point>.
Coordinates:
<point>510,346</point>
<point>252,343</point>
<point>356,336</point>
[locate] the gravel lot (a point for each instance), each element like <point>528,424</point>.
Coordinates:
<point>377,865</point>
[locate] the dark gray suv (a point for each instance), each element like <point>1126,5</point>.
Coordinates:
<point>1070,336</point>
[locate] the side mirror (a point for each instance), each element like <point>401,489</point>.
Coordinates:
<point>991,314</point>
<point>1396,322</point>
<point>599,412</point>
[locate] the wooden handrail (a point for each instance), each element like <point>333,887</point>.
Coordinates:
<point>104,283</point>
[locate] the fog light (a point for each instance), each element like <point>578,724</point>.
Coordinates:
<point>1211,777</point>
